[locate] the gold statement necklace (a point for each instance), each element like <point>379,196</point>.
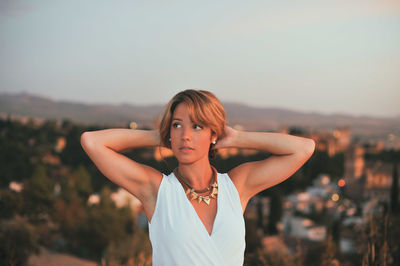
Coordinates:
<point>194,193</point>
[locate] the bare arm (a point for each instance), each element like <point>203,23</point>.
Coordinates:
<point>104,147</point>
<point>289,154</point>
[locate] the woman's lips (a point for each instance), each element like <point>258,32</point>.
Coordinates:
<point>185,149</point>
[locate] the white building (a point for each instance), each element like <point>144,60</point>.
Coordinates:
<point>303,228</point>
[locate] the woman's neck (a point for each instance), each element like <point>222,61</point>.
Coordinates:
<point>198,175</point>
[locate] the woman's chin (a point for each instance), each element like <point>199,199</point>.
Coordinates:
<point>185,160</point>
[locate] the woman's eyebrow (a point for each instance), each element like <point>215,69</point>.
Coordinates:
<point>175,118</point>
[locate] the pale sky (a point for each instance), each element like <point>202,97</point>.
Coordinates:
<point>337,56</point>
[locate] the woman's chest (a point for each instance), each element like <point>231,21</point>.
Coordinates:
<point>206,213</point>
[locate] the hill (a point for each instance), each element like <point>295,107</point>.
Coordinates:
<point>251,118</point>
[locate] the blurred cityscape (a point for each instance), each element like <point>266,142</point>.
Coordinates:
<point>340,208</point>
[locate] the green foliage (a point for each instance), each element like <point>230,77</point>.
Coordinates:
<point>18,240</point>
<point>39,192</point>
<point>133,250</point>
<point>15,152</point>
<point>71,216</point>
<point>73,154</point>
<point>82,182</point>
<point>88,230</point>
<point>105,224</point>
<point>10,203</point>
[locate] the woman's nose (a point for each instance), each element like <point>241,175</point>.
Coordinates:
<point>186,133</point>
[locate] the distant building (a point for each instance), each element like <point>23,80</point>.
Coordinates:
<point>374,147</point>
<point>303,228</point>
<point>378,181</point>
<point>392,142</point>
<point>354,163</point>
<point>353,172</point>
<point>366,179</point>
<point>354,167</point>
<point>315,198</point>
<point>342,138</point>
<point>333,143</point>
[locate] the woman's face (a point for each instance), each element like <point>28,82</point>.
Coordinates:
<point>189,142</point>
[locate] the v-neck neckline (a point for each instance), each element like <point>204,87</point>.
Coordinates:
<point>197,217</point>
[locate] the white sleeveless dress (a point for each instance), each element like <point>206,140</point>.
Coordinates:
<point>178,236</point>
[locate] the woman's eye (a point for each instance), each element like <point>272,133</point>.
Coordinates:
<point>197,127</point>
<point>176,125</point>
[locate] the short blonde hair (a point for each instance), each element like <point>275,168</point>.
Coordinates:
<point>204,109</point>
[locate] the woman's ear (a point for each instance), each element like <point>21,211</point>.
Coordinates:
<point>214,137</point>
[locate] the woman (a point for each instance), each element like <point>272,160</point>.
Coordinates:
<point>196,214</point>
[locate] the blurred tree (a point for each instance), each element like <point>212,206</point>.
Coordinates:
<point>10,203</point>
<point>253,241</point>
<point>82,182</point>
<point>379,240</point>
<point>276,210</point>
<point>16,152</point>
<point>73,154</point>
<point>394,191</point>
<point>67,124</point>
<point>46,136</point>
<point>298,131</point>
<point>71,216</point>
<point>132,250</point>
<point>260,214</point>
<point>329,253</point>
<point>39,193</point>
<point>18,240</point>
<point>105,224</point>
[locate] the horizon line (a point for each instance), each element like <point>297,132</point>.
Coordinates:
<point>254,106</point>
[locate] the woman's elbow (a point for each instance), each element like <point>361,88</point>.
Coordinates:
<point>309,147</point>
<point>87,140</point>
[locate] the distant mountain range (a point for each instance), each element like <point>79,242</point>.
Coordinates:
<point>251,118</point>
